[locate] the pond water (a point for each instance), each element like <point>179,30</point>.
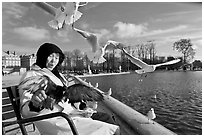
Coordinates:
<point>175,96</point>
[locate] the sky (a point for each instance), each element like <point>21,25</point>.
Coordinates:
<point>25,26</point>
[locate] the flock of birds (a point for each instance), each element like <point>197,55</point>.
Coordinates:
<point>65,16</point>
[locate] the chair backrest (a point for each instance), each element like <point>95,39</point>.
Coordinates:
<point>10,108</point>
<point>7,108</point>
<point>15,100</point>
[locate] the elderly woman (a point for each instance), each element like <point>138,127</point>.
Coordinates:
<point>49,58</point>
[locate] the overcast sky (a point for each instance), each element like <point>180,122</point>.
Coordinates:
<point>25,26</point>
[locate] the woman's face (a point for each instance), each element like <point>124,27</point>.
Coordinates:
<point>52,61</point>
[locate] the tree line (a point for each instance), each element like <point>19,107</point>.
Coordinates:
<point>77,61</point>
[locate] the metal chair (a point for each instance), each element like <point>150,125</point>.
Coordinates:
<point>22,122</point>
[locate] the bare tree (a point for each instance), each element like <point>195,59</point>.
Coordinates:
<point>185,47</point>
<point>152,51</point>
<point>68,60</point>
<point>77,59</point>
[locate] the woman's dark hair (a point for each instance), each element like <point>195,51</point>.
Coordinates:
<point>44,51</point>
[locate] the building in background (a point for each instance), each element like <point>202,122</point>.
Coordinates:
<point>12,63</point>
<point>27,61</point>
<point>10,60</point>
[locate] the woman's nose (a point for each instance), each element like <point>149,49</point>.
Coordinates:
<point>52,60</point>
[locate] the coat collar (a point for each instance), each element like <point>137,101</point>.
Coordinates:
<point>48,73</point>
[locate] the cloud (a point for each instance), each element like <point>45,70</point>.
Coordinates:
<point>180,13</point>
<point>104,34</point>
<point>197,44</point>
<point>18,48</point>
<point>91,5</point>
<point>32,33</point>
<point>84,25</point>
<point>63,36</point>
<point>128,30</point>
<point>162,31</point>
<point>13,9</point>
<point>12,13</point>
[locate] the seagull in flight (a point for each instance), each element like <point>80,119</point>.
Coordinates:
<point>97,52</point>
<point>144,66</point>
<point>66,14</point>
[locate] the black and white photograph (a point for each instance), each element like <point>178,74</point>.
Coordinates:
<point>101,67</point>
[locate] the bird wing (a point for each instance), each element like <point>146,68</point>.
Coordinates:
<point>53,24</point>
<point>47,7</point>
<point>81,5</point>
<point>110,45</point>
<point>69,8</point>
<point>168,63</point>
<point>77,14</point>
<point>90,55</point>
<point>73,18</point>
<point>79,92</point>
<point>71,12</point>
<point>135,60</point>
<point>58,13</point>
<point>91,38</point>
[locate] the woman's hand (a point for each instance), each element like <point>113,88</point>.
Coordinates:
<point>38,98</point>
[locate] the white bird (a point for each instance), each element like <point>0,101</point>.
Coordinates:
<point>66,14</point>
<point>155,96</point>
<point>97,52</point>
<point>96,85</point>
<point>151,114</point>
<point>109,92</point>
<point>90,85</point>
<point>89,69</point>
<point>144,66</point>
<point>120,68</point>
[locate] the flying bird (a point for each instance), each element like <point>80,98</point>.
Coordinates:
<point>151,114</point>
<point>66,14</point>
<point>74,93</point>
<point>97,52</point>
<point>144,66</point>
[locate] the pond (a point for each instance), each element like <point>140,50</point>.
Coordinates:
<point>175,96</point>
